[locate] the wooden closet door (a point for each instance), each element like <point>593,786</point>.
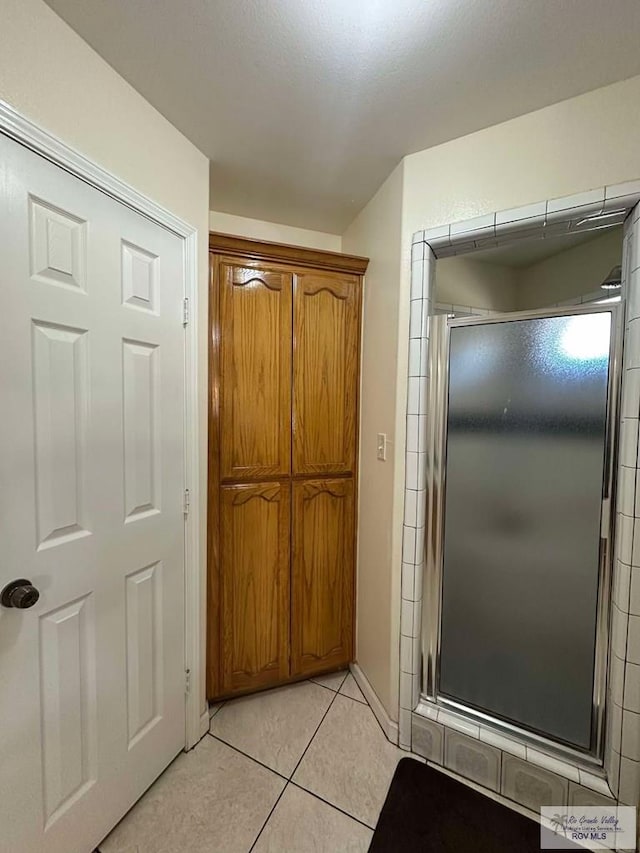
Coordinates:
<point>322,577</point>
<point>325,372</point>
<point>255,370</point>
<point>254,585</point>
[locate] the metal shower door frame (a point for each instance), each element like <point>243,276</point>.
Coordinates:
<point>436,464</point>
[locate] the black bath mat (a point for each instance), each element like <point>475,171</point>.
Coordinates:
<point>429,812</point>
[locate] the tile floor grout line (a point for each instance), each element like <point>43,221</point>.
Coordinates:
<point>362,701</point>
<point>393,743</point>
<point>346,675</point>
<point>298,785</point>
<point>219,708</point>
<point>266,766</point>
<point>330,804</point>
<point>313,735</point>
<point>262,828</point>
<point>407,752</point>
<point>289,780</point>
<point>250,757</point>
<point>324,686</point>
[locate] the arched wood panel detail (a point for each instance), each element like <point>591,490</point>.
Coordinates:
<point>261,605</point>
<point>255,361</point>
<point>254,585</point>
<point>323,575</point>
<point>326,346</point>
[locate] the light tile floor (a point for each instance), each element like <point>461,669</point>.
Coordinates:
<point>301,768</point>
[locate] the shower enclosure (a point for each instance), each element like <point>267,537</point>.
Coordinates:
<point>518,539</point>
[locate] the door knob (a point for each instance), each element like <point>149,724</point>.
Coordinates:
<point>19,593</point>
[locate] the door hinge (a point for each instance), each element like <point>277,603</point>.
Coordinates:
<point>187,681</point>
<point>186,505</point>
<point>185,311</point>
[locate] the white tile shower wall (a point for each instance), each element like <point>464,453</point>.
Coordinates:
<point>624,731</point>
<point>635,550</point>
<point>579,796</point>
<point>532,786</point>
<point>420,296</point>
<point>633,591</point>
<point>422,269</point>
<point>630,698</point>
<point>622,768</point>
<point>428,739</point>
<point>628,452</point>
<point>422,287</point>
<point>472,759</point>
<point>461,310</point>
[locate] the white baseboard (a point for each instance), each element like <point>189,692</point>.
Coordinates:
<point>205,721</point>
<point>388,726</point>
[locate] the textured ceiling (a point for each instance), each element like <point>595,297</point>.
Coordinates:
<point>305,106</point>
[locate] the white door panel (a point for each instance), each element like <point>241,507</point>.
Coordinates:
<point>91,472</point>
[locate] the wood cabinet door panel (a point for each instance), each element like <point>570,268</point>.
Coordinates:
<point>254,585</point>
<point>325,372</point>
<point>322,577</point>
<point>255,369</point>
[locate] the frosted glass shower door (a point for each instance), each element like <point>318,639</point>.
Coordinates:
<point>525,471</point>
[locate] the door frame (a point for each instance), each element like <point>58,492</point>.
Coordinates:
<point>437,435</point>
<point>21,129</point>
<point>585,211</point>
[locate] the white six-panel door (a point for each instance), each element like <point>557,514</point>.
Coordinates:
<point>92,704</point>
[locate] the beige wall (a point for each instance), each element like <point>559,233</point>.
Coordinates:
<point>465,282</point>
<point>376,233</point>
<point>258,229</point>
<point>569,274</point>
<point>52,76</point>
<point>579,144</point>
<point>585,142</point>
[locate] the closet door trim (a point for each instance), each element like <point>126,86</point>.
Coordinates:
<point>266,252</point>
